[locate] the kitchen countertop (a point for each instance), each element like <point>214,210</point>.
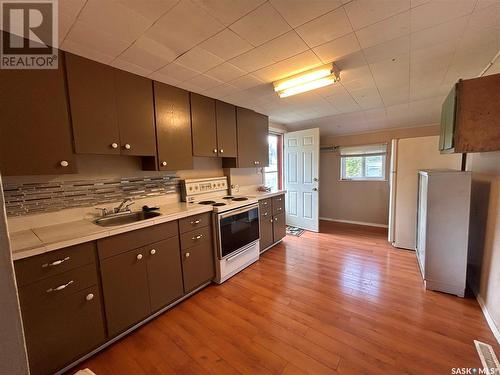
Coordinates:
<point>35,241</point>
<point>265,194</point>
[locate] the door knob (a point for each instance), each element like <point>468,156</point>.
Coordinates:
<point>315,189</point>
<point>139,256</point>
<point>164,163</point>
<point>215,150</point>
<point>153,251</point>
<point>64,163</point>
<point>187,255</point>
<point>89,297</point>
<point>221,150</point>
<point>315,179</point>
<point>127,146</point>
<point>114,145</point>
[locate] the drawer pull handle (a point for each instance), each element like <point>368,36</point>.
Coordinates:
<point>60,287</point>
<point>139,256</point>
<point>153,251</point>
<point>187,255</point>
<point>276,219</point>
<point>89,297</point>
<point>265,213</point>
<point>55,263</point>
<point>195,222</point>
<point>198,237</point>
<point>264,203</point>
<point>279,199</point>
<point>279,208</point>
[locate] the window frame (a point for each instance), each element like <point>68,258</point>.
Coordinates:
<point>279,146</point>
<point>363,156</point>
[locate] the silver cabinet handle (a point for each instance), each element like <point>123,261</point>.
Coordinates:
<point>196,222</point>
<point>265,213</point>
<point>215,150</point>
<point>187,255</point>
<point>153,251</point>
<point>60,287</point>
<point>275,219</point>
<point>278,199</point>
<point>264,203</point>
<point>197,237</point>
<point>139,256</point>
<point>127,146</point>
<point>271,220</point>
<point>64,163</point>
<point>55,263</point>
<point>114,145</point>
<point>279,208</point>
<point>89,297</point>
<point>164,163</point>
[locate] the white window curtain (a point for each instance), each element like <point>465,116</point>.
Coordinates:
<point>375,149</point>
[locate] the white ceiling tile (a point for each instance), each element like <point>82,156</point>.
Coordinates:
<point>367,98</point>
<point>160,77</point>
<point>271,52</point>
<point>85,37</point>
<point>199,60</point>
<point>188,86</point>
<point>68,11</point>
<point>221,91</point>
<point>228,11</point>
<point>297,12</point>
<point>357,77</point>
<point>342,101</point>
<point>416,3</point>
<point>151,9</point>
<point>260,25</point>
<point>383,31</point>
<point>362,13</point>
<point>325,28</point>
<point>148,54</point>
<point>88,52</point>
<point>178,72</point>
<point>204,82</point>
<point>184,26</point>
<point>392,72</point>
<point>115,19</point>
<point>130,67</point>
<point>226,44</point>
<point>338,48</point>
<point>225,72</point>
<point>387,50</point>
<point>65,22</point>
<point>285,68</point>
<point>246,82</point>
<point>396,94</point>
<point>438,11</point>
<point>447,32</point>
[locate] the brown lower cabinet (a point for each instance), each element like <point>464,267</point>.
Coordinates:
<point>272,221</point>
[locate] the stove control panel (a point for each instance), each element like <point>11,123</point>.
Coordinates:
<point>198,186</point>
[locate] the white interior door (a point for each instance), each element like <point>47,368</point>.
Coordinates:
<point>301,152</point>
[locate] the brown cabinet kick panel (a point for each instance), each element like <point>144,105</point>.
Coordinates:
<point>93,108</point>
<point>135,113</point>
<point>226,129</point>
<point>173,127</point>
<point>35,131</point>
<point>203,123</point>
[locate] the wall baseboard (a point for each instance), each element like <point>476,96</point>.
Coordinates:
<point>489,319</point>
<point>355,222</point>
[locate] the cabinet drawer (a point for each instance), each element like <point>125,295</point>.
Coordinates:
<point>196,237</point>
<point>59,333</point>
<point>110,246</point>
<point>45,265</point>
<point>265,205</point>
<point>54,289</point>
<point>192,222</point>
<point>197,265</point>
<point>278,204</point>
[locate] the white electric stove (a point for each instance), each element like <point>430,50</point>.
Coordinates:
<point>235,223</point>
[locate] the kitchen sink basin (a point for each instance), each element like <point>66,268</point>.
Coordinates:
<point>125,218</point>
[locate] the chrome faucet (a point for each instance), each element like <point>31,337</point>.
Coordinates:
<point>125,203</point>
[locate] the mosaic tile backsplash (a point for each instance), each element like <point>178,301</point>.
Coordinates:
<point>31,198</point>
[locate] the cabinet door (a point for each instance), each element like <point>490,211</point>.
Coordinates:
<point>226,129</point>
<point>35,131</point>
<point>59,332</point>
<point>173,127</point>
<point>266,231</point>
<point>126,290</point>
<point>164,272</point>
<point>197,265</point>
<point>253,128</point>
<point>93,110</point>
<point>134,109</point>
<point>279,227</point>
<point>203,125</point>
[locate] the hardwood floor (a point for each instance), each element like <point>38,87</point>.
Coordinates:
<point>341,301</point>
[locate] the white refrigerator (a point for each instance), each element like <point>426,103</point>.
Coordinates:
<point>408,156</point>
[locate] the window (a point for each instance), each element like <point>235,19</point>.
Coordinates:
<point>363,162</point>
<point>272,174</point>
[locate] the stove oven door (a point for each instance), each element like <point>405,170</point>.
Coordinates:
<point>237,229</point>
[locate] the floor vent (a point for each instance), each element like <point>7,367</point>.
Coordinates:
<point>488,358</point>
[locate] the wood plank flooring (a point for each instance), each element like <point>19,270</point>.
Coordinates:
<point>341,301</point>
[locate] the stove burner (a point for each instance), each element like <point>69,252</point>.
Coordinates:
<point>228,197</point>
<point>206,202</point>
<point>240,199</point>
<point>218,204</point>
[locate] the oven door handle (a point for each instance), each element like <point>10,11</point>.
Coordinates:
<point>238,211</point>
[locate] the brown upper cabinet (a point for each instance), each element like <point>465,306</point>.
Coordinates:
<point>35,131</point>
<point>226,129</point>
<point>173,127</point>
<point>470,118</point>
<point>252,133</point>
<point>203,123</point>
<point>111,110</point>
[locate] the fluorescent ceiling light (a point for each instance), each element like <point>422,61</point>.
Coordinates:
<point>312,79</point>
